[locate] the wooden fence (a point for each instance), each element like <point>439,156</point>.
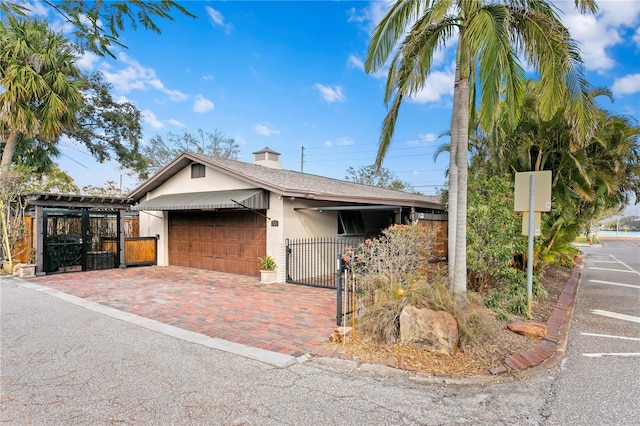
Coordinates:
<point>140,251</point>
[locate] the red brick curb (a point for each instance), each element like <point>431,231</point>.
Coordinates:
<point>550,349</point>
<point>547,352</point>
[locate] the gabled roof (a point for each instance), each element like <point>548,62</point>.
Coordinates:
<point>290,184</point>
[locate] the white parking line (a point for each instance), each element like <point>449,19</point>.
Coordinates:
<point>611,337</point>
<point>616,315</point>
<point>613,270</point>
<point>624,264</point>
<point>618,284</point>
<point>601,354</point>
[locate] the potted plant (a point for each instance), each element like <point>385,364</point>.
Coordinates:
<point>267,269</point>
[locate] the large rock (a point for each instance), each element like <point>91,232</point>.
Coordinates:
<point>532,330</point>
<point>429,330</point>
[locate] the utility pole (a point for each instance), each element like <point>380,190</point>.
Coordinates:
<point>302,161</point>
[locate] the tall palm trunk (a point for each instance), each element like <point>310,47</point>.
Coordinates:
<point>9,149</point>
<point>461,111</point>
<point>460,149</point>
<point>453,186</point>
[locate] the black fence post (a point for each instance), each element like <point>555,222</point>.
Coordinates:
<point>339,269</point>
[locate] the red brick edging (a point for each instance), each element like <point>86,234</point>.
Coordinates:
<point>547,351</point>
<point>550,349</point>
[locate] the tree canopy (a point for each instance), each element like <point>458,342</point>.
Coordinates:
<point>40,78</point>
<point>161,150</point>
<point>99,24</point>
<point>41,84</point>
<point>377,176</point>
<point>490,37</point>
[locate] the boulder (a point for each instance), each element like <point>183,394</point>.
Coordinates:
<point>24,270</point>
<point>532,330</point>
<point>429,330</point>
<point>341,335</point>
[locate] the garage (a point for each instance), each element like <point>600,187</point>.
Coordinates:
<point>225,241</point>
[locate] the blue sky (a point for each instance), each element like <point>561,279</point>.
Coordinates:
<point>289,74</point>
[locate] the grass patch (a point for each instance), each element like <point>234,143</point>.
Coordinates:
<point>582,239</point>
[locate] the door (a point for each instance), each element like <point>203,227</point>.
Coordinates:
<point>218,241</point>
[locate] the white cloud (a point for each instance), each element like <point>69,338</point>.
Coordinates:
<point>355,62</point>
<point>331,94</point>
<point>342,141</point>
<point>598,34</point>
<point>369,16</point>
<point>217,19</point>
<point>626,85</point>
<point>423,139</point>
<point>265,129</point>
<point>38,8</point>
<point>207,77</point>
<point>137,77</point>
<point>438,85</point>
<point>202,105</point>
<point>88,61</point>
<point>150,118</point>
<point>177,123</point>
<point>216,16</point>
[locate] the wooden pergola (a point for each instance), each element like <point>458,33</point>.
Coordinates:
<point>42,207</point>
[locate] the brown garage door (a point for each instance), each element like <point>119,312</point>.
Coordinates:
<point>218,241</point>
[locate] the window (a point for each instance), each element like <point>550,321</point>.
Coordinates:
<point>361,222</point>
<point>197,171</point>
<point>350,223</point>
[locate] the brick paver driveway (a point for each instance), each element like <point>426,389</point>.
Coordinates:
<point>285,318</point>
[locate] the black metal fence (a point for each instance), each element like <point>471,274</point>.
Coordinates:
<point>350,297</point>
<point>312,261</point>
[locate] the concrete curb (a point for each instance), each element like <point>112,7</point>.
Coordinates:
<point>545,354</point>
<point>550,350</point>
<point>268,357</point>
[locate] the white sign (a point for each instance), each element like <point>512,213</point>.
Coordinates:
<point>542,191</point>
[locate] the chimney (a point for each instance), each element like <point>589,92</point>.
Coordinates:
<point>267,157</point>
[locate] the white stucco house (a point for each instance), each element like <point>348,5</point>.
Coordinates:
<point>221,215</point>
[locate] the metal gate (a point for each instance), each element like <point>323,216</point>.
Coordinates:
<point>79,240</point>
<point>312,261</point>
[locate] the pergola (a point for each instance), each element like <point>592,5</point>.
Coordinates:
<point>76,232</point>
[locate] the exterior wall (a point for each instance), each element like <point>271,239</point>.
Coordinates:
<point>308,223</point>
<point>154,223</point>
<point>181,182</point>
<point>275,231</point>
<point>294,224</point>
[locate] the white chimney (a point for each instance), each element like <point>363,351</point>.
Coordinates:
<point>267,157</point>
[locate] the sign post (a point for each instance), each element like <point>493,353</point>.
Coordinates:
<point>532,195</point>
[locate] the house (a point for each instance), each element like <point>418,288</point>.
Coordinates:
<point>221,215</point>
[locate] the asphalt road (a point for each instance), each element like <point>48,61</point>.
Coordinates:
<point>599,378</point>
<point>64,364</point>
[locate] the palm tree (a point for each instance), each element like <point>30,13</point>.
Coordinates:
<point>490,35</point>
<point>590,177</point>
<point>41,84</point>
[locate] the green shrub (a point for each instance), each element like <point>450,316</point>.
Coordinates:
<point>393,271</point>
<point>493,230</point>
<point>511,295</point>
